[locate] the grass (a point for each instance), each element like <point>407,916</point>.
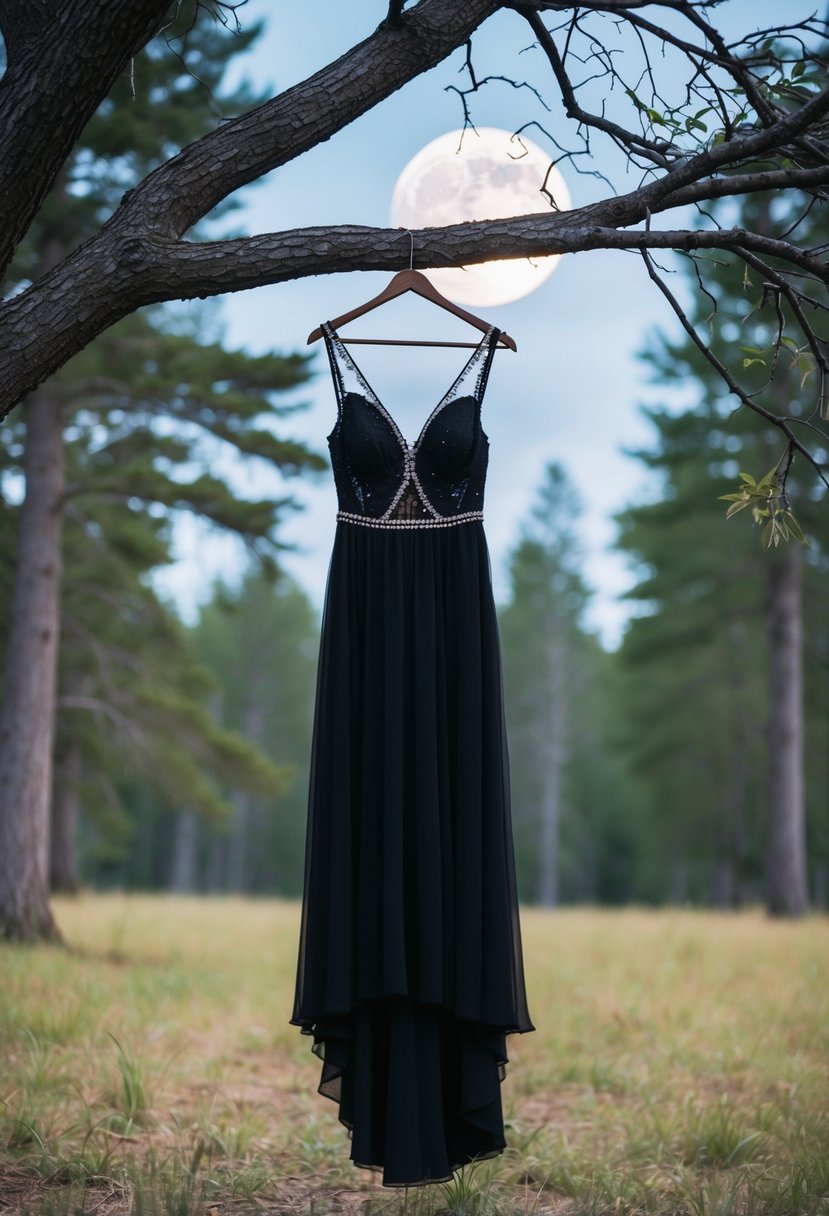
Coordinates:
<point>680,1067</point>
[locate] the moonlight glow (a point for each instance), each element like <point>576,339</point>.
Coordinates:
<point>486,175</point>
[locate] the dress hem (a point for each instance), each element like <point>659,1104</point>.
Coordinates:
<point>472,1114</point>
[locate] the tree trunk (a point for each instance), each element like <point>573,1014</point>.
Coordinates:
<point>244,842</point>
<point>553,746</point>
<point>723,883</point>
<point>214,878</point>
<point>679,883</point>
<point>185,842</point>
<point>64,833</point>
<point>786,883</point>
<point>729,882</point>
<point>820,884</point>
<point>28,712</point>
<point>237,844</point>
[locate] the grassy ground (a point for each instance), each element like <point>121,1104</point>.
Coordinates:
<point>680,1065</point>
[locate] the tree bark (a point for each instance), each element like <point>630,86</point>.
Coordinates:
<point>243,834</point>
<point>64,829</point>
<point>62,60</point>
<point>28,712</point>
<point>786,881</point>
<point>552,757</point>
<point>237,844</point>
<point>215,869</point>
<point>727,888</point>
<point>820,884</point>
<point>185,842</point>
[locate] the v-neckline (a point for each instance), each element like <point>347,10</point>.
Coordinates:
<point>370,393</point>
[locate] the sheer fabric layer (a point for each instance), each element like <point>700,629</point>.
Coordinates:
<point>410,970</point>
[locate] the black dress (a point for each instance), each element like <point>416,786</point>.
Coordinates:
<point>410,969</point>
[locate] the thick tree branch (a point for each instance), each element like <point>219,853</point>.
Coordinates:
<point>138,257</point>
<point>189,185</point>
<point>57,51</point>
<point>209,268</point>
<point>62,312</point>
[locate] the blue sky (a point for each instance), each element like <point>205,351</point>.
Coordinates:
<point>572,391</point>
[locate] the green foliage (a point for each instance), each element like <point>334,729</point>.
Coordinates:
<point>767,499</point>
<point>161,421</point>
<point>557,680</point>
<point>694,660</point>
<point>260,641</point>
<point>133,1095</point>
<point>231,742</point>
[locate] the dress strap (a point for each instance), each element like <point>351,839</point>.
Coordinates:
<point>336,374</point>
<point>480,361</point>
<point>347,376</point>
<point>483,375</point>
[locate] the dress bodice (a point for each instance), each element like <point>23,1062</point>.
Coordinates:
<point>384,481</point>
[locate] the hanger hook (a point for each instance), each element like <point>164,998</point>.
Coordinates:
<point>411,249</point>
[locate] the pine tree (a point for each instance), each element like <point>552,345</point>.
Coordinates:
<point>135,698</point>
<point>566,795</point>
<point>716,723</point>
<point>260,641</point>
<point>140,401</point>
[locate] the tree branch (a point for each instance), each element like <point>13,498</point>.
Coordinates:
<point>65,309</point>
<point>72,51</point>
<point>783,424</point>
<point>393,19</point>
<point>138,258</point>
<point>185,188</point>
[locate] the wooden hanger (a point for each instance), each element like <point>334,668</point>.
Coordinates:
<point>412,280</point>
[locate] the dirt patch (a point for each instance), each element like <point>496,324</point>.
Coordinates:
<point>549,1108</point>
<point>23,1193</point>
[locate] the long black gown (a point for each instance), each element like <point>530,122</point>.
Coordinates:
<point>410,969</point>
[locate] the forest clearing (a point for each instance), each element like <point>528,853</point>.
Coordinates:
<point>680,1065</point>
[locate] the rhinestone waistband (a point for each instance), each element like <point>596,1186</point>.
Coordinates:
<point>423,521</point>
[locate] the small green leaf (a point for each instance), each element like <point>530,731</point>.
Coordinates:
<point>749,362</point>
<point>798,69</point>
<point>795,527</point>
<point>748,479</point>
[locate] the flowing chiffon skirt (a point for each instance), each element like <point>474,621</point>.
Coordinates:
<point>410,971</point>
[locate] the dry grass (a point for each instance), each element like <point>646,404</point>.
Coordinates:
<point>680,1066</point>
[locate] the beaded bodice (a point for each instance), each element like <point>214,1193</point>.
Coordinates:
<point>382,480</point>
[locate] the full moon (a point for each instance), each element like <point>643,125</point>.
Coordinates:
<point>484,175</point>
